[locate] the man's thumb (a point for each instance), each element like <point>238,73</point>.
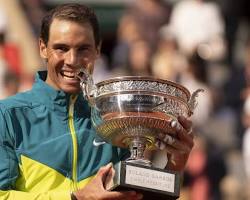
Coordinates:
<point>103,171</point>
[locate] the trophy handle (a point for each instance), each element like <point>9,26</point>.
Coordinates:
<point>192,103</point>
<point>87,85</point>
<point>89,92</point>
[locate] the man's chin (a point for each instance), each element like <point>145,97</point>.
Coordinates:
<point>72,90</point>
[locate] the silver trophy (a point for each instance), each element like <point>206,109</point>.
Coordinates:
<point>130,112</point>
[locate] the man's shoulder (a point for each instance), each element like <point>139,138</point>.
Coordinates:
<point>21,99</point>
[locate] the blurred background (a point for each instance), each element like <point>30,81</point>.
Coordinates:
<point>198,43</point>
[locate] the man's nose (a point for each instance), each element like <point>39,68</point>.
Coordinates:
<point>72,58</point>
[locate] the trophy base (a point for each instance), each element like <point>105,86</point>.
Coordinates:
<point>152,182</point>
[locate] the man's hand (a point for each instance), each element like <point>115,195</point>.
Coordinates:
<point>179,146</point>
<point>95,190</point>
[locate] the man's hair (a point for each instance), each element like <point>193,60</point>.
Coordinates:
<point>72,12</point>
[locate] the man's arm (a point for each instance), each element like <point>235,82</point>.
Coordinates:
<point>9,173</point>
<point>9,170</point>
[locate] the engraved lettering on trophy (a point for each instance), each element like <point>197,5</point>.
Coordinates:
<point>149,178</point>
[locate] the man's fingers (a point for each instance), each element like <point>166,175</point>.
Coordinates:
<point>167,140</point>
<point>183,133</point>
<point>178,143</point>
<point>187,124</point>
<point>103,172</point>
<point>182,141</point>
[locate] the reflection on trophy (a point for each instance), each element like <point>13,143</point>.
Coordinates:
<point>130,112</point>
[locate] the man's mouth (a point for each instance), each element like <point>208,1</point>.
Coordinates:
<point>69,75</point>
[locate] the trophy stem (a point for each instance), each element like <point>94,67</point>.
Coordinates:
<point>137,148</point>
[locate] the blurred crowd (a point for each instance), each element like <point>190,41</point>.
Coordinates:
<point>198,43</point>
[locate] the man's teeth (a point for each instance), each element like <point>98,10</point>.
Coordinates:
<point>68,75</point>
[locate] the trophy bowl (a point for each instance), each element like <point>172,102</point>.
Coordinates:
<point>130,112</point>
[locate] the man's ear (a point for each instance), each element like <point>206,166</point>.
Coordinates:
<point>43,49</point>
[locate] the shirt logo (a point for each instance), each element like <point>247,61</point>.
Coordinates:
<point>98,143</point>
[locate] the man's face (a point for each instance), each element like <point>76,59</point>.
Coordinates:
<point>71,46</point>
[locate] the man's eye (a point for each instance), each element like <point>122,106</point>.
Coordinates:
<point>61,48</point>
<point>84,49</point>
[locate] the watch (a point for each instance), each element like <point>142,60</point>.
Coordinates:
<point>72,196</point>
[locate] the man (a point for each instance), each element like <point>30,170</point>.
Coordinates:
<point>46,136</point>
